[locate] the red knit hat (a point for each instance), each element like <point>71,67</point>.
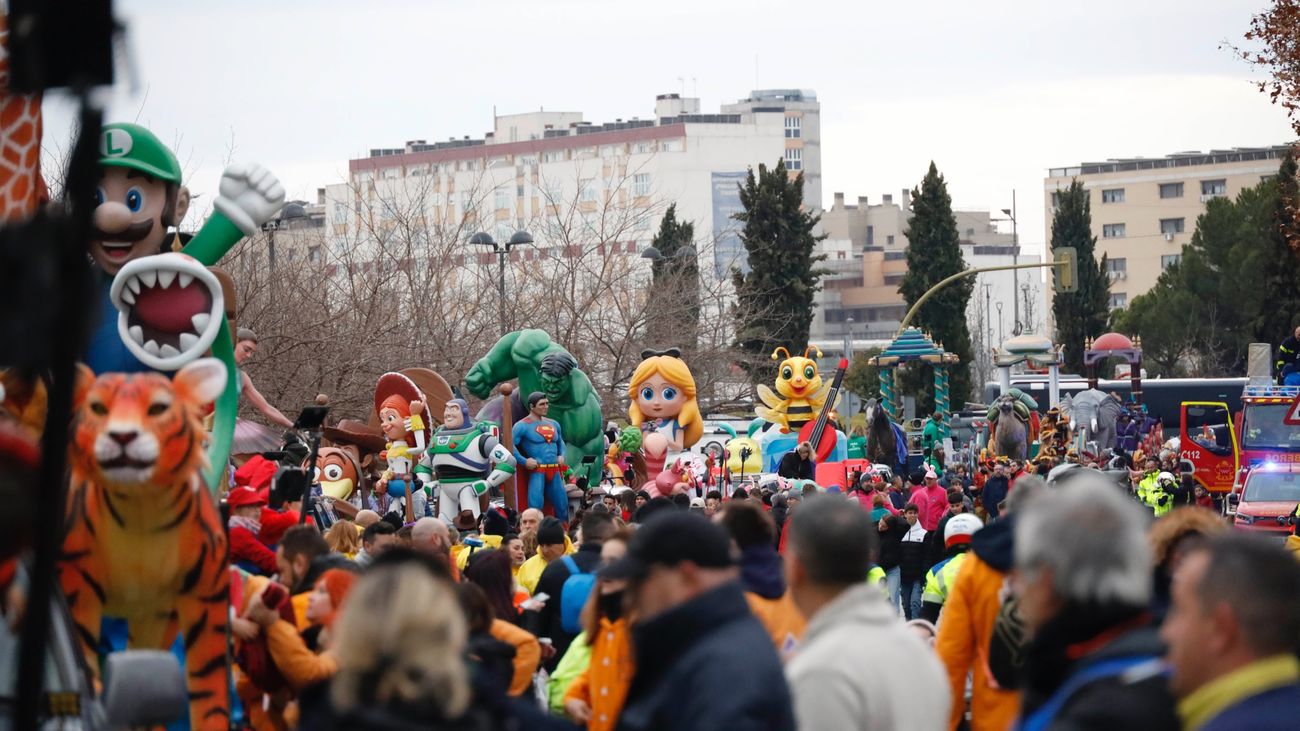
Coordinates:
<point>257,472</point>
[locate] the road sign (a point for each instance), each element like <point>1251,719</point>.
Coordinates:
<point>1292,417</point>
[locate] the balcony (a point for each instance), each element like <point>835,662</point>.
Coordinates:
<point>1206,197</point>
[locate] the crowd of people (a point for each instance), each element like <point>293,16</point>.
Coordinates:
<point>977,601</point>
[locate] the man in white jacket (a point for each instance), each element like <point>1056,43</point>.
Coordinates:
<point>859,666</point>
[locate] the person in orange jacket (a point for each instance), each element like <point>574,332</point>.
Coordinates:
<point>596,696</point>
<point>762,574</point>
<point>968,619</point>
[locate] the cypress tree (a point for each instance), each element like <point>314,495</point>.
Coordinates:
<point>674,307</point>
<point>774,301</point>
<point>1085,313</point>
<point>933,254</point>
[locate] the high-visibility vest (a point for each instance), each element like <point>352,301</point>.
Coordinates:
<point>940,578</point>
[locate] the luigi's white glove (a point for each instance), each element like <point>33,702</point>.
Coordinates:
<point>249,196</point>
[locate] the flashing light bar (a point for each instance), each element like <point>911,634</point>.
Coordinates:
<point>1286,392</point>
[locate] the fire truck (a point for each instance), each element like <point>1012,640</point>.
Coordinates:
<point>1223,447</point>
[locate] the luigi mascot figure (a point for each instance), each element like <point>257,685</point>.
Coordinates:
<point>168,309</point>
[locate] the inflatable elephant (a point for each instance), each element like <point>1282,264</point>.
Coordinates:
<point>1094,412</point>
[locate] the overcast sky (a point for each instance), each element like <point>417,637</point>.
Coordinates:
<point>993,92</point>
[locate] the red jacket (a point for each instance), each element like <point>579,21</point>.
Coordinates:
<point>244,546</point>
<point>275,523</point>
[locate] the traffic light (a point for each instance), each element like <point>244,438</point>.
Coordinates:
<point>1067,269</point>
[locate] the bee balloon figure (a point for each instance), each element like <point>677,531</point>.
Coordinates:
<point>801,391</point>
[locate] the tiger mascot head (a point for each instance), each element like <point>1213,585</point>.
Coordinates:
<point>143,429</point>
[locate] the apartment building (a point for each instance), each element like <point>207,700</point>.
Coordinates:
<point>1144,210</point>
<point>866,254</point>
<point>538,170</point>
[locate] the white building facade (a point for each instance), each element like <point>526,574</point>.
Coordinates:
<point>549,171</point>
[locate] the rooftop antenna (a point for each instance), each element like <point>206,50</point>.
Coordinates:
<point>682,80</point>
<point>695,87</point>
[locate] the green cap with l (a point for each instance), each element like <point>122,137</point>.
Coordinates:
<point>126,145</point>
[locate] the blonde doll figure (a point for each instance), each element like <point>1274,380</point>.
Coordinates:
<point>662,391</point>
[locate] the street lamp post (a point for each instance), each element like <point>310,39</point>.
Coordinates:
<point>1000,335</point>
<point>1015,259</point>
<point>519,238</point>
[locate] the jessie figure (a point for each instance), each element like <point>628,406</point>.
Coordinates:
<point>402,417</point>
<point>662,391</point>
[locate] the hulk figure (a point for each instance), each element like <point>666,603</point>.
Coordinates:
<point>543,365</point>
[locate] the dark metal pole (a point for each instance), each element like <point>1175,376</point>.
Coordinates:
<point>502,252</point>
<point>73,237</point>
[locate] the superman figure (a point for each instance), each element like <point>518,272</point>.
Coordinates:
<point>539,446</point>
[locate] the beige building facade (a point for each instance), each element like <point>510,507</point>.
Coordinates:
<point>866,255</point>
<point>1144,210</point>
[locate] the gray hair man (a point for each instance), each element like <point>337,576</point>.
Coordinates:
<point>1232,633</point>
<point>1083,579</point>
<point>831,547</point>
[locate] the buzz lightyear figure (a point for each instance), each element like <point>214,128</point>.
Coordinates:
<point>466,459</point>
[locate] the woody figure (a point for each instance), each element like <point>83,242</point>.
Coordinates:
<point>539,445</point>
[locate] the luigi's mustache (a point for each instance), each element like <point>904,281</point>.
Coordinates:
<point>132,233</point>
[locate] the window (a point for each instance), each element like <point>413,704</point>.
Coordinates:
<point>1112,231</point>
<point>793,158</point>
<point>670,146</point>
<point>1171,190</point>
<point>501,199</point>
<point>340,213</point>
<point>1214,187</point>
<point>641,184</point>
<point>313,255</point>
<point>587,190</point>
<point>1117,265</point>
<point>1169,260</point>
<point>1114,195</point>
<point>1056,199</point>
<point>553,156</point>
<point>793,126</point>
<point>1118,300</point>
<point>643,147</point>
<point>889,240</point>
<point>871,235</point>
<point>1171,225</point>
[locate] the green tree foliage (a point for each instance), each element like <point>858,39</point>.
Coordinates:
<point>1085,313</point>
<point>774,301</point>
<point>933,254</point>
<point>863,379</point>
<point>1238,283</point>
<point>674,307</point>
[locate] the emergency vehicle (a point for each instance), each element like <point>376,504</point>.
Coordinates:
<point>1224,447</point>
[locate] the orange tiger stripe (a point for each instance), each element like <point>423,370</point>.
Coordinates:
<point>185,574</point>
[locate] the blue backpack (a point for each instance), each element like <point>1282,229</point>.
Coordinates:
<point>577,589</point>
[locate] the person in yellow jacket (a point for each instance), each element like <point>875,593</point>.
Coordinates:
<point>1157,492</point>
<point>552,543</point>
<point>941,577</point>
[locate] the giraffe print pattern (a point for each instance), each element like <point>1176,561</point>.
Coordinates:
<point>22,189</point>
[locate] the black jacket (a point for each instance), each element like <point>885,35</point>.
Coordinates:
<point>706,665</point>
<point>1138,699</point>
<point>995,491</point>
<point>792,467</point>
<point>548,622</point>
<point>913,556</point>
<point>1287,352</point>
<point>489,710</point>
<point>891,542</point>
